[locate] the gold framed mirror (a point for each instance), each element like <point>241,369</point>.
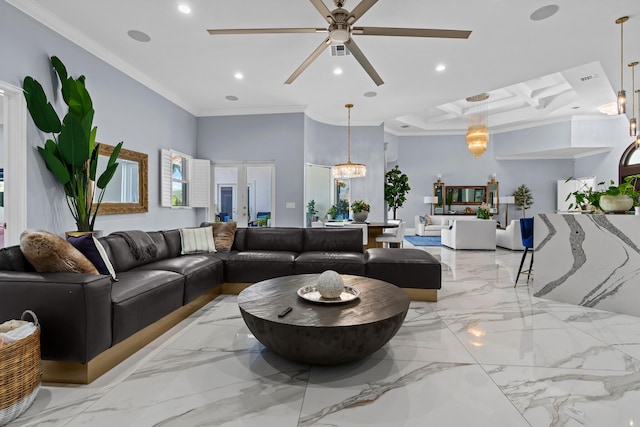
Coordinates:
<point>466,195</point>
<point>127,191</point>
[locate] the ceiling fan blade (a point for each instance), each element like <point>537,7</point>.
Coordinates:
<point>360,10</point>
<point>308,61</point>
<point>267,30</point>
<point>411,32</point>
<point>357,53</point>
<point>323,9</point>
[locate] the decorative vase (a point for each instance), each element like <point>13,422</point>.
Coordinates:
<point>360,216</point>
<point>620,203</point>
<point>330,284</point>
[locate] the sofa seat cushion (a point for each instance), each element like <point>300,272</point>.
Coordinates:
<point>202,272</point>
<point>406,268</point>
<point>319,261</point>
<point>254,266</point>
<point>140,297</point>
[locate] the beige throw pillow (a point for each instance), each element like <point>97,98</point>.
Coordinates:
<point>223,235</point>
<point>49,253</point>
<point>427,220</point>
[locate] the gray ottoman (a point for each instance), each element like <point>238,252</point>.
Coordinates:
<point>414,270</point>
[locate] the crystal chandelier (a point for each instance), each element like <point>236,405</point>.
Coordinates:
<point>349,170</point>
<point>622,95</point>
<point>477,130</point>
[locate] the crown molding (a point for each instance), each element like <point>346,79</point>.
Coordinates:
<point>45,17</point>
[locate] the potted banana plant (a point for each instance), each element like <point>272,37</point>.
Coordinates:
<point>71,152</point>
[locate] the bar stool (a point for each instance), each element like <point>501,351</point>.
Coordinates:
<point>526,232</point>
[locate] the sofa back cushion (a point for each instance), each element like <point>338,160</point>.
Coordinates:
<point>274,239</point>
<point>333,239</point>
<point>12,259</point>
<point>122,257</point>
<point>174,244</point>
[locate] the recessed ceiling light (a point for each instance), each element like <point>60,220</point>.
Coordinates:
<point>441,67</point>
<point>370,94</point>
<point>238,76</point>
<point>337,71</point>
<point>139,36</point>
<point>544,12</point>
<point>184,8</point>
<point>231,98</point>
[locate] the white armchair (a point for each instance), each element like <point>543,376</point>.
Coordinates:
<point>480,234</point>
<point>510,237</point>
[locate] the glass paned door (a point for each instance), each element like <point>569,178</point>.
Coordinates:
<point>251,207</point>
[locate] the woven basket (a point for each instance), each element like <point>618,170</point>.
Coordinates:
<point>20,374</point>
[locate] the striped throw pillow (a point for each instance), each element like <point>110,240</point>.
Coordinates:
<point>196,240</point>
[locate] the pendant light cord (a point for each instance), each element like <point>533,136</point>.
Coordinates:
<point>349,106</point>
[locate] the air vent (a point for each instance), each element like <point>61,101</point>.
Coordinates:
<point>589,77</point>
<point>339,50</point>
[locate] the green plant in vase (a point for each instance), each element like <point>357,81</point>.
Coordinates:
<point>360,210</point>
<point>71,154</point>
<point>396,189</point>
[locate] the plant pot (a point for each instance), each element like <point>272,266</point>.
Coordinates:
<point>360,216</point>
<point>621,203</point>
<point>96,233</point>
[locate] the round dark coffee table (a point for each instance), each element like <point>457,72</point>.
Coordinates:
<point>319,333</point>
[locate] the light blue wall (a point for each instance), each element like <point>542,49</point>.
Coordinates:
<point>268,137</point>
<point>422,158</point>
<point>327,145</point>
<point>540,138</point>
<point>125,111</point>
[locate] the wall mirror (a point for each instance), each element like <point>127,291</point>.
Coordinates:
<point>492,196</point>
<point>466,195</point>
<point>438,193</point>
<point>127,191</point>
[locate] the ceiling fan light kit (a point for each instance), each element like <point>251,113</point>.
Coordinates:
<point>349,170</point>
<point>340,30</point>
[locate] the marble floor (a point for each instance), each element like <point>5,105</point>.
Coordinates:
<point>485,354</point>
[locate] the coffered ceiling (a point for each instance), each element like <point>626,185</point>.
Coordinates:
<point>535,71</point>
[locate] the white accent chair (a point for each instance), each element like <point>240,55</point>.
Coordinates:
<point>479,234</point>
<point>394,235</point>
<point>510,237</point>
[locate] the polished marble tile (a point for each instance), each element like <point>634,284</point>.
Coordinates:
<point>484,354</point>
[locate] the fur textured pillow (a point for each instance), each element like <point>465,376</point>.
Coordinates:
<point>49,253</point>
<point>223,235</point>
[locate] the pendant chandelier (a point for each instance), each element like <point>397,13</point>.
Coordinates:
<point>477,118</point>
<point>622,95</point>
<point>633,124</point>
<point>349,170</point>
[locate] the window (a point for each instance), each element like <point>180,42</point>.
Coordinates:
<point>179,180</point>
<point>184,180</point>
<point>629,162</point>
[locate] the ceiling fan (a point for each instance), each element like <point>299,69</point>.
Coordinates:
<point>340,31</point>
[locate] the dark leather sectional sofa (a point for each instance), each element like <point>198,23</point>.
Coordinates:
<point>90,322</point>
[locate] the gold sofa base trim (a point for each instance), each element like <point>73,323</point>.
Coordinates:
<point>85,373</point>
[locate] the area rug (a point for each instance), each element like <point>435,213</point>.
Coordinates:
<point>424,240</point>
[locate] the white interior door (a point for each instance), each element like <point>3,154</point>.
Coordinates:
<point>13,118</point>
<point>244,192</point>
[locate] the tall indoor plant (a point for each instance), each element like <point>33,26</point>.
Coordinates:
<point>523,199</point>
<point>396,189</point>
<point>71,154</point>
